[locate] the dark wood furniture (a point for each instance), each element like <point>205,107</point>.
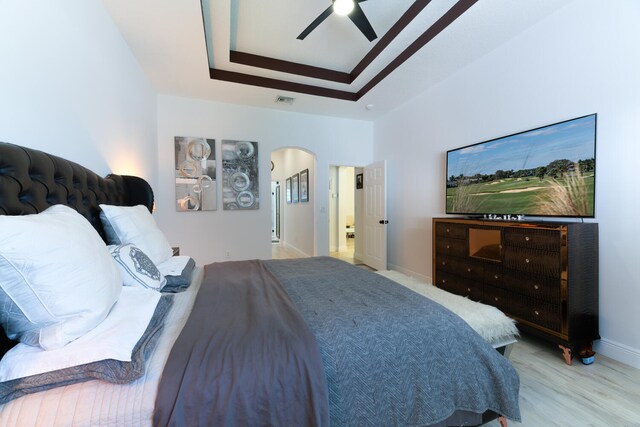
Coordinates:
<point>542,274</point>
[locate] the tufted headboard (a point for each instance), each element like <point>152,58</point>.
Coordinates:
<point>31,181</point>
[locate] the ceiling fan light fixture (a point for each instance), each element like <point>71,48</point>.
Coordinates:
<point>343,7</point>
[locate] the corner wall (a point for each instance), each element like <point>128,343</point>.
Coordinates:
<point>578,61</point>
<point>70,86</point>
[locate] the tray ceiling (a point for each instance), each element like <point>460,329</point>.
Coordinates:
<point>246,52</point>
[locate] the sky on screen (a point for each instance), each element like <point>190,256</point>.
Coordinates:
<point>573,140</point>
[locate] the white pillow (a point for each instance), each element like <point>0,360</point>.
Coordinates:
<point>114,338</point>
<point>57,278</point>
<point>136,267</point>
<point>134,224</point>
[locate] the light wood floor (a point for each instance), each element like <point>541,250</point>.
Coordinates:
<point>282,251</point>
<point>552,393</point>
<point>348,254</point>
<point>606,393</point>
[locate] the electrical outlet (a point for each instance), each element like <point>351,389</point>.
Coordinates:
<point>227,254</point>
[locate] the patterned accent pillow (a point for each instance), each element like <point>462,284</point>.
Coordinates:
<point>136,267</point>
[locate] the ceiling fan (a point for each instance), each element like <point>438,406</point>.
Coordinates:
<point>352,9</point>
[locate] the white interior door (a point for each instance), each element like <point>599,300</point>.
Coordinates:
<point>375,216</point>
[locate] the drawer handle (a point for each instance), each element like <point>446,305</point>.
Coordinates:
<point>447,230</point>
<point>468,270</point>
<point>526,260</point>
<point>537,313</point>
<point>444,263</point>
<point>527,238</point>
<point>496,276</point>
<point>448,247</point>
<point>468,289</point>
<point>444,281</point>
<point>536,287</point>
<point>496,298</point>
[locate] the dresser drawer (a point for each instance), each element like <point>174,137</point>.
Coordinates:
<point>540,287</point>
<point>497,297</point>
<point>532,310</point>
<point>492,274</point>
<point>467,268</point>
<point>532,261</point>
<point>530,238</point>
<point>540,313</point>
<point>459,285</point>
<point>448,263</point>
<point>452,230</point>
<point>471,270</point>
<point>453,247</point>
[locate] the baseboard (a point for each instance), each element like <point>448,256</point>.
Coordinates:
<point>409,272</point>
<point>302,254</point>
<point>620,352</point>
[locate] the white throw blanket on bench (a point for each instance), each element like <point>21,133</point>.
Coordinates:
<point>489,322</point>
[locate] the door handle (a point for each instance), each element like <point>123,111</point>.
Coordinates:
<point>383,221</point>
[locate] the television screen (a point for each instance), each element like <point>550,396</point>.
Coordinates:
<point>547,171</point>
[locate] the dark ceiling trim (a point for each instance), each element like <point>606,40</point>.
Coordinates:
<point>393,32</point>
<point>322,73</point>
<point>268,63</point>
<point>445,20</point>
<point>248,79</point>
<point>288,67</point>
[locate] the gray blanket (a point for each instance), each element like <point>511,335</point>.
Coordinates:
<point>393,357</point>
<point>244,358</point>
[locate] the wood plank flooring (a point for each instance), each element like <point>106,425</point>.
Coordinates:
<point>604,394</point>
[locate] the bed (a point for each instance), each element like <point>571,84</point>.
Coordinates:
<point>293,342</point>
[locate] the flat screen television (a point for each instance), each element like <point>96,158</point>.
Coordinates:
<point>547,171</point>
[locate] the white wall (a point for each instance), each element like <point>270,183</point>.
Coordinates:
<point>580,60</point>
<point>208,236</point>
<point>70,86</point>
<point>297,218</point>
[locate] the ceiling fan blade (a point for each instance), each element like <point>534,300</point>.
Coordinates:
<point>316,22</point>
<point>358,17</point>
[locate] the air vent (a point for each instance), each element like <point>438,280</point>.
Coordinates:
<point>284,100</point>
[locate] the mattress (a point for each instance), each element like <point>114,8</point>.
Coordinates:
<point>101,403</point>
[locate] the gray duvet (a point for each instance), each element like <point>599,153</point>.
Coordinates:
<point>393,357</point>
<point>316,342</point>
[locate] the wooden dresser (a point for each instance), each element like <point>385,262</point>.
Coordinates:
<point>542,274</point>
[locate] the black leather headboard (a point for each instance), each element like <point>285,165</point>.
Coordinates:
<point>31,181</point>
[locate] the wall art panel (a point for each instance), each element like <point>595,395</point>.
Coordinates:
<point>195,173</point>
<point>240,189</point>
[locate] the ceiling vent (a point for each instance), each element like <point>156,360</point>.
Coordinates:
<point>284,100</point>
